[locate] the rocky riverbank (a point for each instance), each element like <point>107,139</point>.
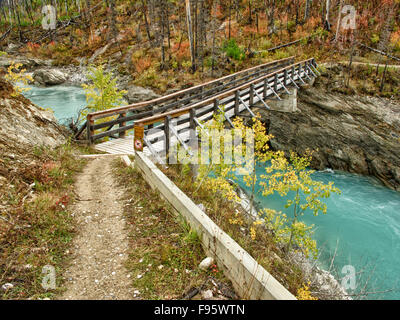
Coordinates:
<point>44,74</point>
<point>353,133</point>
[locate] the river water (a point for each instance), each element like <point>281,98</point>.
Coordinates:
<point>362,224</point>
<point>65,101</point>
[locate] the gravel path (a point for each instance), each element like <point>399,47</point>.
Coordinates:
<point>100,248</point>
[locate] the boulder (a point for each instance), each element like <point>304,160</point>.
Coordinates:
<point>138,94</point>
<point>49,76</point>
<point>207,295</point>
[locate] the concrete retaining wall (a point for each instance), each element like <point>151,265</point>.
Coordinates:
<point>250,280</point>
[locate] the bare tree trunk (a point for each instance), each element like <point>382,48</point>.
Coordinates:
<point>201,33</point>
<point>271,18</point>
<point>112,33</point>
<point>350,65</point>
<point>386,32</point>
<point>162,19</point>
<point>250,10</point>
<point>190,33</point>
<point>327,24</point>
<point>307,10</point>
<point>384,76</point>
<point>195,28</point>
<point>88,13</point>
<point>338,22</point>
<point>229,19</point>
<point>146,23</point>
<point>214,27</point>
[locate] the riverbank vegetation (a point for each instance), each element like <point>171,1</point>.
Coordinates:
<point>231,218</point>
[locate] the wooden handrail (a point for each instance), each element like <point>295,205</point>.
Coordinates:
<point>287,73</point>
<point>179,112</point>
<point>113,111</point>
<point>210,91</point>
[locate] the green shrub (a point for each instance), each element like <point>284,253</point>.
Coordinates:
<point>375,38</point>
<point>232,50</point>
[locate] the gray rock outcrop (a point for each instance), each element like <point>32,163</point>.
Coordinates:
<point>350,133</point>
<point>23,125</point>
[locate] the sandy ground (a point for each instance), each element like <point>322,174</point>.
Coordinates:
<point>100,248</point>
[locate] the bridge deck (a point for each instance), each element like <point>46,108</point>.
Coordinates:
<point>125,145</point>
<point>117,146</point>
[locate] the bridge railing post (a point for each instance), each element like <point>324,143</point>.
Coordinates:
<point>121,125</point>
<point>237,94</point>
<point>167,137</point>
<point>285,77</point>
<point>151,125</point>
<point>276,82</point>
<point>89,130</point>
<point>216,105</point>
<point>192,115</point>
<point>251,98</point>
<point>265,88</point>
<point>138,137</point>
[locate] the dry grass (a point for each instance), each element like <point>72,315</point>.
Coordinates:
<point>221,211</point>
<point>164,251</point>
<point>36,226</point>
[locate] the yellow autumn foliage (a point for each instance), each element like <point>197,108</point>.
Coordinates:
<point>17,75</point>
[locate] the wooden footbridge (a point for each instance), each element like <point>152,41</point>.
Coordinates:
<point>151,120</point>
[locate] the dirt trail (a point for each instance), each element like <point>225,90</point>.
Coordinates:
<point>100,248</point>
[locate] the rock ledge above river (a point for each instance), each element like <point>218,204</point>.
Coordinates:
<point>357,134</point>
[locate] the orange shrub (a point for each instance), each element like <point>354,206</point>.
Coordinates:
<point>395,40</point>
<point>234,29</point>
<point>93,40</point>
<point>313,22</point>
<point>142,64</point>
<point>249,30</point>
<point>33,47</point>
<point>79,33</point>
<point>182,52</point>
<point>219,12</point>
